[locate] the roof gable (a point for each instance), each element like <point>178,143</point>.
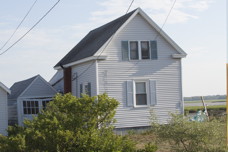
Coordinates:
<point>93,41</point>
<point>39,88</point>
<point>20,88</point>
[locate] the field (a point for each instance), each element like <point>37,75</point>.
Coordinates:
<point>206,101</point>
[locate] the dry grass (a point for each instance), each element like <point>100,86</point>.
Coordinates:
<point>141,139</point>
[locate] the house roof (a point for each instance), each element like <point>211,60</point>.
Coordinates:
<point>94,40</point>
<point>19,87</point>
<point>4,87</point>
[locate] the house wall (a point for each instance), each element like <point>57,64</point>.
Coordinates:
<point>3,112</point>
<point>113,74</point>
<point>84,73</point>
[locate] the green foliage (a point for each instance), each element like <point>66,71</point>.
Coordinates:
<point>186,136</point>
<point>70,124</point>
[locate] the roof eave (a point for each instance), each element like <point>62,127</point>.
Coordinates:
<point>102,57</point>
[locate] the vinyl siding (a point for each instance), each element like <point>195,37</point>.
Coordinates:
<point>113,74</point>
<point>3,112</point>
<point>86,72</point>
<point>12,112</point>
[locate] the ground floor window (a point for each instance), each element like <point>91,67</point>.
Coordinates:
<point>34,106</point>
<point>31,107</point>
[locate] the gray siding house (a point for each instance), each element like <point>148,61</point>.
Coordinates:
<point>4,91</point>
<point>133,61</point>
<point>28,98</point>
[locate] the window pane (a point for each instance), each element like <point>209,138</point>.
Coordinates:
<point>28,103</point>
<point>33,110</point>
<point>141,99</point>
<point>32,104</point>
<point>145,50</point>
<point>134,54</point>
<point>29,110</point>
<point>36,104</point>
<point>140,87</point>
<point>86,89</point>
<point>25,110</point>
<point>37,110</point>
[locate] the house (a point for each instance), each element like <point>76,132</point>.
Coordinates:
<point>27,98</point>
<point>3,109</point>
<point>133,61</point>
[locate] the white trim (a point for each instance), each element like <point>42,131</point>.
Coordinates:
<point>97,78</point>
<point>5,88</point>
<point>178,56</point>
<point>82,61</point>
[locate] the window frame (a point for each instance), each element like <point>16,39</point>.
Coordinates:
<point>40,105</point>
<point>139,50</point>
<point>147,92</point>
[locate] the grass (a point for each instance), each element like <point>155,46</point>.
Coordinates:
<point>206,101</point>
<point>195,108</point>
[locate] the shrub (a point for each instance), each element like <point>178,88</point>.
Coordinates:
<point>70,124</point>
<point>186,136</point>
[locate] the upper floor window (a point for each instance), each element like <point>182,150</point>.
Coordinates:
<point>31,107</point>
<point>34,106</point>
<point>139,50</point>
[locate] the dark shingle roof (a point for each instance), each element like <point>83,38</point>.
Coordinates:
<point>95,39</point>
<point>18,87</point>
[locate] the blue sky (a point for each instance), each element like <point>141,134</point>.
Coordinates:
<point>197,26</point>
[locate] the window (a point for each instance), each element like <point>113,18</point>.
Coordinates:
<point>31,107</point>
<point>34,106</point>
<point>139,50</point>
<point>85,88</point>
<point>134,53</point>
<point>145,50</point>
<point>44,104</point>
<point>140,93</point>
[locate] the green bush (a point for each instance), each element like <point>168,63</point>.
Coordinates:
<point>186,136</point>
<point>70,124</point>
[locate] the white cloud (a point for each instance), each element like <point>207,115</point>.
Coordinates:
<point>157,9</point>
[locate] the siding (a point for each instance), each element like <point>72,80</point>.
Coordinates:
<point>113,74</point>
<point>86,72</point>
<point>3,112</point>
<point>12,112</point>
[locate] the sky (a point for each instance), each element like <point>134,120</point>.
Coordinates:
<point>197,26</point>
